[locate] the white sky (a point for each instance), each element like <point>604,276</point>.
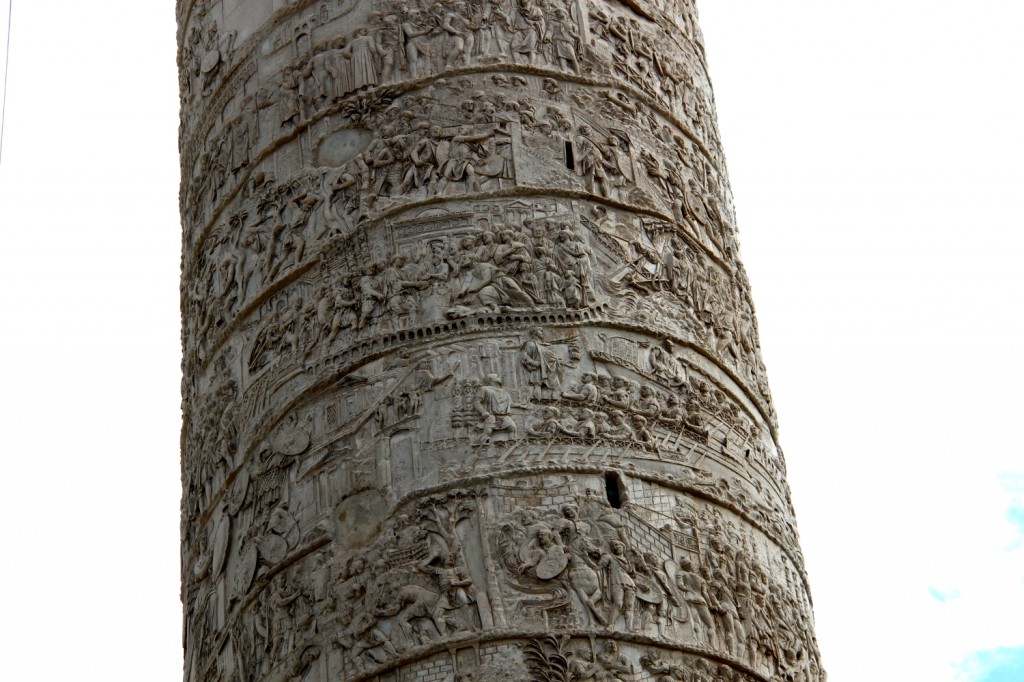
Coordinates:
<point>875,152</point>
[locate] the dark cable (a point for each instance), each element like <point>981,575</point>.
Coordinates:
<point>7,68</point>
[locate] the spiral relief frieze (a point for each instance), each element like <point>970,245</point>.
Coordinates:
<point>472,380</point>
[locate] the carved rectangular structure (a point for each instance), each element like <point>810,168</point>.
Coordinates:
<point>473,388</point>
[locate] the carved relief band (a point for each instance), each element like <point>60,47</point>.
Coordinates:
<point>472,380</point>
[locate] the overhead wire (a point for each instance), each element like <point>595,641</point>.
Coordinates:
<point>7,68</point>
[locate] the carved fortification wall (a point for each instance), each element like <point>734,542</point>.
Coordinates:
<point>472,386</point>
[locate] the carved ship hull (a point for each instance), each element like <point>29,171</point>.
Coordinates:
<point>472,386</point>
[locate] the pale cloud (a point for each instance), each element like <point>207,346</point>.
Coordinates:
<point>996,665</point>
<point>943,595</point>
<point>1016,517</point>
<point>1013,482</point>
<point>975,619</point>
<point>878,183</point>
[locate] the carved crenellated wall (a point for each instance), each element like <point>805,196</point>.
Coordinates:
<point>472,381</point>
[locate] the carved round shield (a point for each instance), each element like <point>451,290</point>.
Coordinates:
<point>291,442</point>
<point>210,61</point>
<point>285,526</point>
<point>443,151</point>
<point>671,570</point>
<point>245,572</point>
<point>273,548</point>
<point>554,562</point>
<point>646,591</point>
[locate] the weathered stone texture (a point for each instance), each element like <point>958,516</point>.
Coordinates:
<point>472,388</point>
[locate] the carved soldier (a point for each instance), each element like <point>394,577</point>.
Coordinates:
<point>494,163</point>
<point>654,598</point>
<point>618,428</point>
<point>529,28</point>
<point>487,288</point>
<point>590,162</point>
<point>694,593</point>
<point>459,164</point>
<point>310,90</point>
<point>361,53</point>
<point>456,587</point>
<point>370,296</point>
<point>494,405</point>
<point>621,589</point>
<point>412,35</point>
<point>614,663</point>
<point>388,44</point>
<point>586,426</point>
<point>422,164</point>
<point>696,211</point>
<point>489,217</point>
<point>564,39</point>
<point>394,285</point>
<point>424,381</point>
<point>583,554</point>
<point>365,640</point>
<point>337,68</point>
<point>665,365</point>
<point>574,257</point>
<point>411,603</point>
<point>290,101</point>
<point>494,26</point>
<point>461,33</point>
<point>241,130</point>
<point>543,365</point>
<point>553,425</point>
<point>586,392</point>
<point>722,604</point>
<point>653,663</point>
<point>617,165</point>
<point>647,403</point>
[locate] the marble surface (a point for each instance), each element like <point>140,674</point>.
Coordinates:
<point>472,379</point>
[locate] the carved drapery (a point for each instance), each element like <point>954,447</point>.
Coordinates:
<point>472,380</point>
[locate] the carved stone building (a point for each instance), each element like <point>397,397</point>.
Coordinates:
<point>472,383</point>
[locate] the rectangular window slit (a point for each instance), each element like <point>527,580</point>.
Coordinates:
<point>613,489</point>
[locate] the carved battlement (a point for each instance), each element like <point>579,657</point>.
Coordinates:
<point>472,380</point>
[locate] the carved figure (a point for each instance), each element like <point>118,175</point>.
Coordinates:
<point>564,38</point>
<point>591,164</point>
<point>471,377</point>
<point>696,596</point>
<point>494,405</point>
<point>543,365</point>
<point>361,52</point>
<point>488,288</point>
<point>529,27</point>
<point>621,588</point>
<point>416,47</point>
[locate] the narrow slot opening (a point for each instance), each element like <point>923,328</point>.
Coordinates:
<point>613,489</point>
<point>570,160</point>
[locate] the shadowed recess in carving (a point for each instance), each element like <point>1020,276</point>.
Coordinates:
<point>614,490</point>
<point>339,148</point>
<point>472,378</point>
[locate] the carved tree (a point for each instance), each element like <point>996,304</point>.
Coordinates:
<point>472,378</point>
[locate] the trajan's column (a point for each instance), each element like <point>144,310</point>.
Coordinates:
<point>472,383</point>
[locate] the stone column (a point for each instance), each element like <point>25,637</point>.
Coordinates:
<point>472,383</point>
